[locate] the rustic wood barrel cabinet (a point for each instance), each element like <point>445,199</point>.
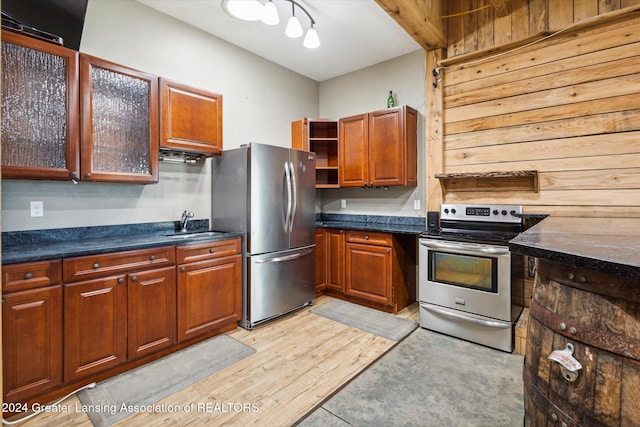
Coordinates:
<point>582,360</point>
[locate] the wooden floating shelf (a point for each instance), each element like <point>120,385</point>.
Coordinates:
<point>489,181</point>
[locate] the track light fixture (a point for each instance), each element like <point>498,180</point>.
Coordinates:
<point>254,10</point>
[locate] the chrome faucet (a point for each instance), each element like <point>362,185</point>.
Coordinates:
<point>184,220</point>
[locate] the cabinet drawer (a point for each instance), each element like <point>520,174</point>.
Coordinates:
<point>207,250</point>
<point>87,267</point>
<point>369,237</point>
<point>30,275</point>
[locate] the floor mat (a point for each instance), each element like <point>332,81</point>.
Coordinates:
<point>366,319</point>
<point>139,389</point>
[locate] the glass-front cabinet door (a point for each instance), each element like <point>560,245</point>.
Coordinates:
<point>68,116</point>
<point>39,109</point>
<point>119,122</point>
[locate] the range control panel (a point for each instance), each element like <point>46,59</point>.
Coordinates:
<point>483,213</point>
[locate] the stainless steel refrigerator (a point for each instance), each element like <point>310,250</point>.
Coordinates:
<point>268,193</point>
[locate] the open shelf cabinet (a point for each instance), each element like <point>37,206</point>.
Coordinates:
<point>321,137</point>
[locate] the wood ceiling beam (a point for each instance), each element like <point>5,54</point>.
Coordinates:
<point>501,7</point>
<point>420,19</point>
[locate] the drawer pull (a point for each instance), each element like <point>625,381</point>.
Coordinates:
<point>211,250</point>
<point>96,266</point>
<point>366,237</point>
<point>28,276</point>
<point>153,258</point>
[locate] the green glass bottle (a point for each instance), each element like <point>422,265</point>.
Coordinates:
<point>390,101</point>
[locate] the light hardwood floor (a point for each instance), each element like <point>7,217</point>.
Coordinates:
<point>300,360</point>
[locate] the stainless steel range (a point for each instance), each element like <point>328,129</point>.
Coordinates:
<point>471,286</point>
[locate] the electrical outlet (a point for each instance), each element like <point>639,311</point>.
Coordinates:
<point>37,209</point>
<point>416,204</point>
<point>343,203</point>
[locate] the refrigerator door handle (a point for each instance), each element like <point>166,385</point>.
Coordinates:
<point>287,175</point>
<point>285,258</point>
<point>294,191</point>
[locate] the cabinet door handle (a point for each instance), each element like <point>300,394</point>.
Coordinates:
<point>121,280</point>
<point>153,258</point>
<point>388,251</point>
<point>183,269</point>
<point>134,278</point>
<point>366,237</point>
<point>96,266</point>
<point>212,250</point>
<point>87,175</point>
<point>28,276</point>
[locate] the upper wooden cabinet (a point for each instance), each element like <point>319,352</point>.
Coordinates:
<point>68,116</point>
<point>354,151</point>
<point>191,119</point>
<point>321,137</point>
<point>40,138</point>
<point>379,148</point>
<point>119,122</point>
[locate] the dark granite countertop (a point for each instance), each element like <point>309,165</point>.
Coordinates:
<point>387,224</point>
<point>37,245</point>
<point>607,245</point>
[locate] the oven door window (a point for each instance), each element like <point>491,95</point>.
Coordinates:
<point>468,271</point>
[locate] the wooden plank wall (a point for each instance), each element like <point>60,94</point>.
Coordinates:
<point>568,107</point>
<point>470,32</point>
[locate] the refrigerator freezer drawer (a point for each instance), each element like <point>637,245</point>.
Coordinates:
<point>279,282</point>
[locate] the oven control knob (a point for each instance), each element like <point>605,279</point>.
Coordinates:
<point>446,211</point>
<point>495,212</point>
<point>504,212</point>
<point>453,211</point>
<point>513,213</point>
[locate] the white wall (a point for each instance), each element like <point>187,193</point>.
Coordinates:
<point>131,34</point>
<point>367,90</point>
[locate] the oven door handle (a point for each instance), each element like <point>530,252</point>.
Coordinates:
<point>484,250</point>
<point>457,316</point>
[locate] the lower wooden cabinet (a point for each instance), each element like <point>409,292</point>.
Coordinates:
<point>67,322</point>
<point>371,268</point>
<point>335,260</point>
<point>321,261</point>
<point>31,342</point>
<point>209,291</point>
<point>115,308</point>
<point>95,323</point>
<point>151,313</point>
<point>368,272</point>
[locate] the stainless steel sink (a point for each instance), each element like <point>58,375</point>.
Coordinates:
<point>194,234</point>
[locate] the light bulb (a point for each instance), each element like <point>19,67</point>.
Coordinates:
<point>311,40</point>
<point>247,10</point>
<point>294,29</point>
<point>270,14</point>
